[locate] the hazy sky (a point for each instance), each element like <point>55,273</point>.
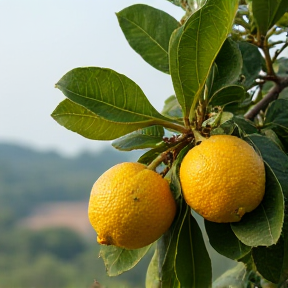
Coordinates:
<point>41,41</point>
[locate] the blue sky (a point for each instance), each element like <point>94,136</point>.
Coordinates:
<point>41,41</point>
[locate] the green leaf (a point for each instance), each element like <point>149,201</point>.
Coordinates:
<point>278,161</point>
<point>172,108</point>
<point>276,114</point>
<point>252,62</point>
<point>173,174</point>
<point>118,260</point>
<point>167,244</point>
<point>269,261</point>
<point>110,95</point>
<point>224,241</point>
<point>193,265</point>
<point>229,64</point>
<point>194,47</point>
<point>141,25</point>
<point>269,133</point>
<point>227,95</point>
<point>240,108</point>
<point>150,155</point>
<point>237,277</point>
<point>263,226</point>
<point>268,12</point>
<point>283,21</point>
<point>174,67</point>
<point>175,2</point>
<point>280,65</point>
<point>227,128</point>
<point>246,126</point>
<point>152,275</point>
<point>284,94</point>
<point>143,138</point>
<point>167,247</point>
<point>78,119</point>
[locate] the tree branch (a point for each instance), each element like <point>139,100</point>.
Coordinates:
<point>270,96</point>
<point>279,51</point>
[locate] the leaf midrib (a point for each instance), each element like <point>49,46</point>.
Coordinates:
<point>115,107</point>
<point>268,224</point>
<point>146,33</point>
<point>97,117</point>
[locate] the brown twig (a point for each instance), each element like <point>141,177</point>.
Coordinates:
<point>270,96</point>
<point>279,51</point>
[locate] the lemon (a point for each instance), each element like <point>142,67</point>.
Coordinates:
<point>222,178</point>
<point>130,206</point>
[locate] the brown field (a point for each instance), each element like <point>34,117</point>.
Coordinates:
<point>72,215</point>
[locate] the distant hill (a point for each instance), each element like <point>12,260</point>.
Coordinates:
<point>29,177</point>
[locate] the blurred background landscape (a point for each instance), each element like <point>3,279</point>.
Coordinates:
<point>46,171</point>
<point>45,237</point>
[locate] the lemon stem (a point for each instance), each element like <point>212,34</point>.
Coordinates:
<point>184,139</point>
<point>157,161</point>
<point>198,137</point>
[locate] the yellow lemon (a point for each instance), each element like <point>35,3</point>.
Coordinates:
<point>130,206</point>
<point>223,178</point>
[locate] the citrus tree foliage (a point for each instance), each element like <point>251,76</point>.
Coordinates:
<point>229,77</point>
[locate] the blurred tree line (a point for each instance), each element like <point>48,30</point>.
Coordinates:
<point>51,257</point>
<point>56,257</point>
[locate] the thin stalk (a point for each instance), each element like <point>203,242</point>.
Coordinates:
<point>173,126</point>
<point>279,51</point>
<point>163,156</point>
<point>269,63</point>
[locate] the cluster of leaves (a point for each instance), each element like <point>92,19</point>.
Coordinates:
<point>226,82</point>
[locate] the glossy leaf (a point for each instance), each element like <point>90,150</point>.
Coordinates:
<point>150,155</point>
<point>109,95</point>
<point>252,62</point>
<point>283,21</point>
<point>141,25</point>
<point>224,241</point>
<point>268,12</point>
<point>167,244</point>
<point>237,277</point>
<point>78,119</point>
<point>277,114</point>
<point>192,264</point>
<point>269,133</point>
<point>246,126</point>
<point>284,94</point>
<point>269,260</point>
<point>172,108</point>
<point>278,161</point>
<point>280,65</point>
<point>167,247</point>
<point>263,226</point>
<point>173,175</point>
<point>227,128</point>
<point>118,260</point>
<point>174,68</point>
<point>194,47</point>
<point>175,2</point>
<point>152,275</point>
<point>149,137</point>
<point>227,95</point>
<point>229,64</point>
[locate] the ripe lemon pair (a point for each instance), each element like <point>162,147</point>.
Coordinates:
<point>131,206</point>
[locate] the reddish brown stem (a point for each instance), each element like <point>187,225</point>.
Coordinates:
<point>272,95</point>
